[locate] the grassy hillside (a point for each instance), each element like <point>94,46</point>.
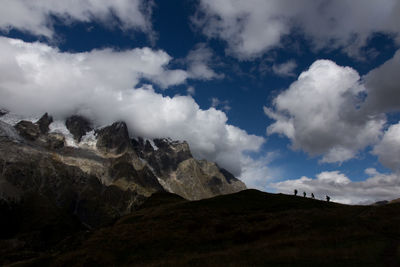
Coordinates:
<point>249,228</point>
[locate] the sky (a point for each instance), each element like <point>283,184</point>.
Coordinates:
<point>284,94</point>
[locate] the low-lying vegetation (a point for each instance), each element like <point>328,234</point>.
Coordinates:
<point>243,229</point>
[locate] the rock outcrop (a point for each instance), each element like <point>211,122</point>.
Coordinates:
<point>164,155</point>
<point>78,126</point>
<point>55,141</point>
<point>44,123</point>
<point>184,175</point>
<point>30,170</point>
<point>28,130</point>
<point>113,138</point>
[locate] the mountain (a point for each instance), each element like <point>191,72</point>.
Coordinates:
<point>73,160</point>
<point>72,194</point>
<point>249,228</point>
<point>60,177</point>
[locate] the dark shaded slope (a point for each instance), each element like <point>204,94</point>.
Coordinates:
<point>244,229</point>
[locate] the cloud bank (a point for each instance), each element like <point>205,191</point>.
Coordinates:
<point>341,189</point>
<point>101,84</point>
<point>35,16</point>
<point>251,28</point>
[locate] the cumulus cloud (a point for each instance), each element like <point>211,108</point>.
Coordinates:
<point>199,61</point>
<point>388,149</point>
<point>285,69</point>
<point>341,189</point>
<point>216,103</point>
<point>36,67</point>
<point>257,172</point>
<point>102,85</point>
<point>330,111</point>
<point>34,16</point>
<point>250,28</point>
<point>319,113</point>
<point>191,90</point>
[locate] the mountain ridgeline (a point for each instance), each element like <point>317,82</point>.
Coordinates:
<point>75,195</point>
<point>97,175</point>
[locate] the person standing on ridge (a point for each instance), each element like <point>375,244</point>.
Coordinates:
<point>304,194</point>
<point>312,196</point>
<point>295,192</point>
<point>328,198</point>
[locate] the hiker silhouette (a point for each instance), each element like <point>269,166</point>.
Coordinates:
<point>295,192</point>
<point>304,194</point>
<point>328,198</point>
<point>312,196</point>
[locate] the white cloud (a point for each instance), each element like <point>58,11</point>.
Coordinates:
<point>37,67</point>
<point>199,61</point>
<point>339,187</point>
<point>388,149</point>
<point>319,113</point>
<point>36,78</point>
<point>257,173</point>
<point>330,111</point>
<point>216,103</point>
<point>34,16</point>
<point>249,27</point>
<point>191,90</point>
<point>285,69</point>
<point>253,27</point>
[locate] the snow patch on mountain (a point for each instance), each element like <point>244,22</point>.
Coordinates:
<point>59,127</point>
<point>89,140</point>
<point>153,144</point>
<point>13,119</point>
<point>6,130</point>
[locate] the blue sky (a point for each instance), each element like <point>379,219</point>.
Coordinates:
<point>319,75</point>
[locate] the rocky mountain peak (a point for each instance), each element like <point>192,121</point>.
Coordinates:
<point>113,138</point>
<point>170,145</point>
<point>28,130</point>
<point>163,155</point>
<point>179,172</point>
<point>44,123</point>
<point>148,147</point>
<point>78,126</point>
<point>33,131</point>
<point>53,163</point>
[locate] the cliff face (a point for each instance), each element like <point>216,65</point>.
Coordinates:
<point>73,181</point>
<point>98,175</point>
<point>180,173</point>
